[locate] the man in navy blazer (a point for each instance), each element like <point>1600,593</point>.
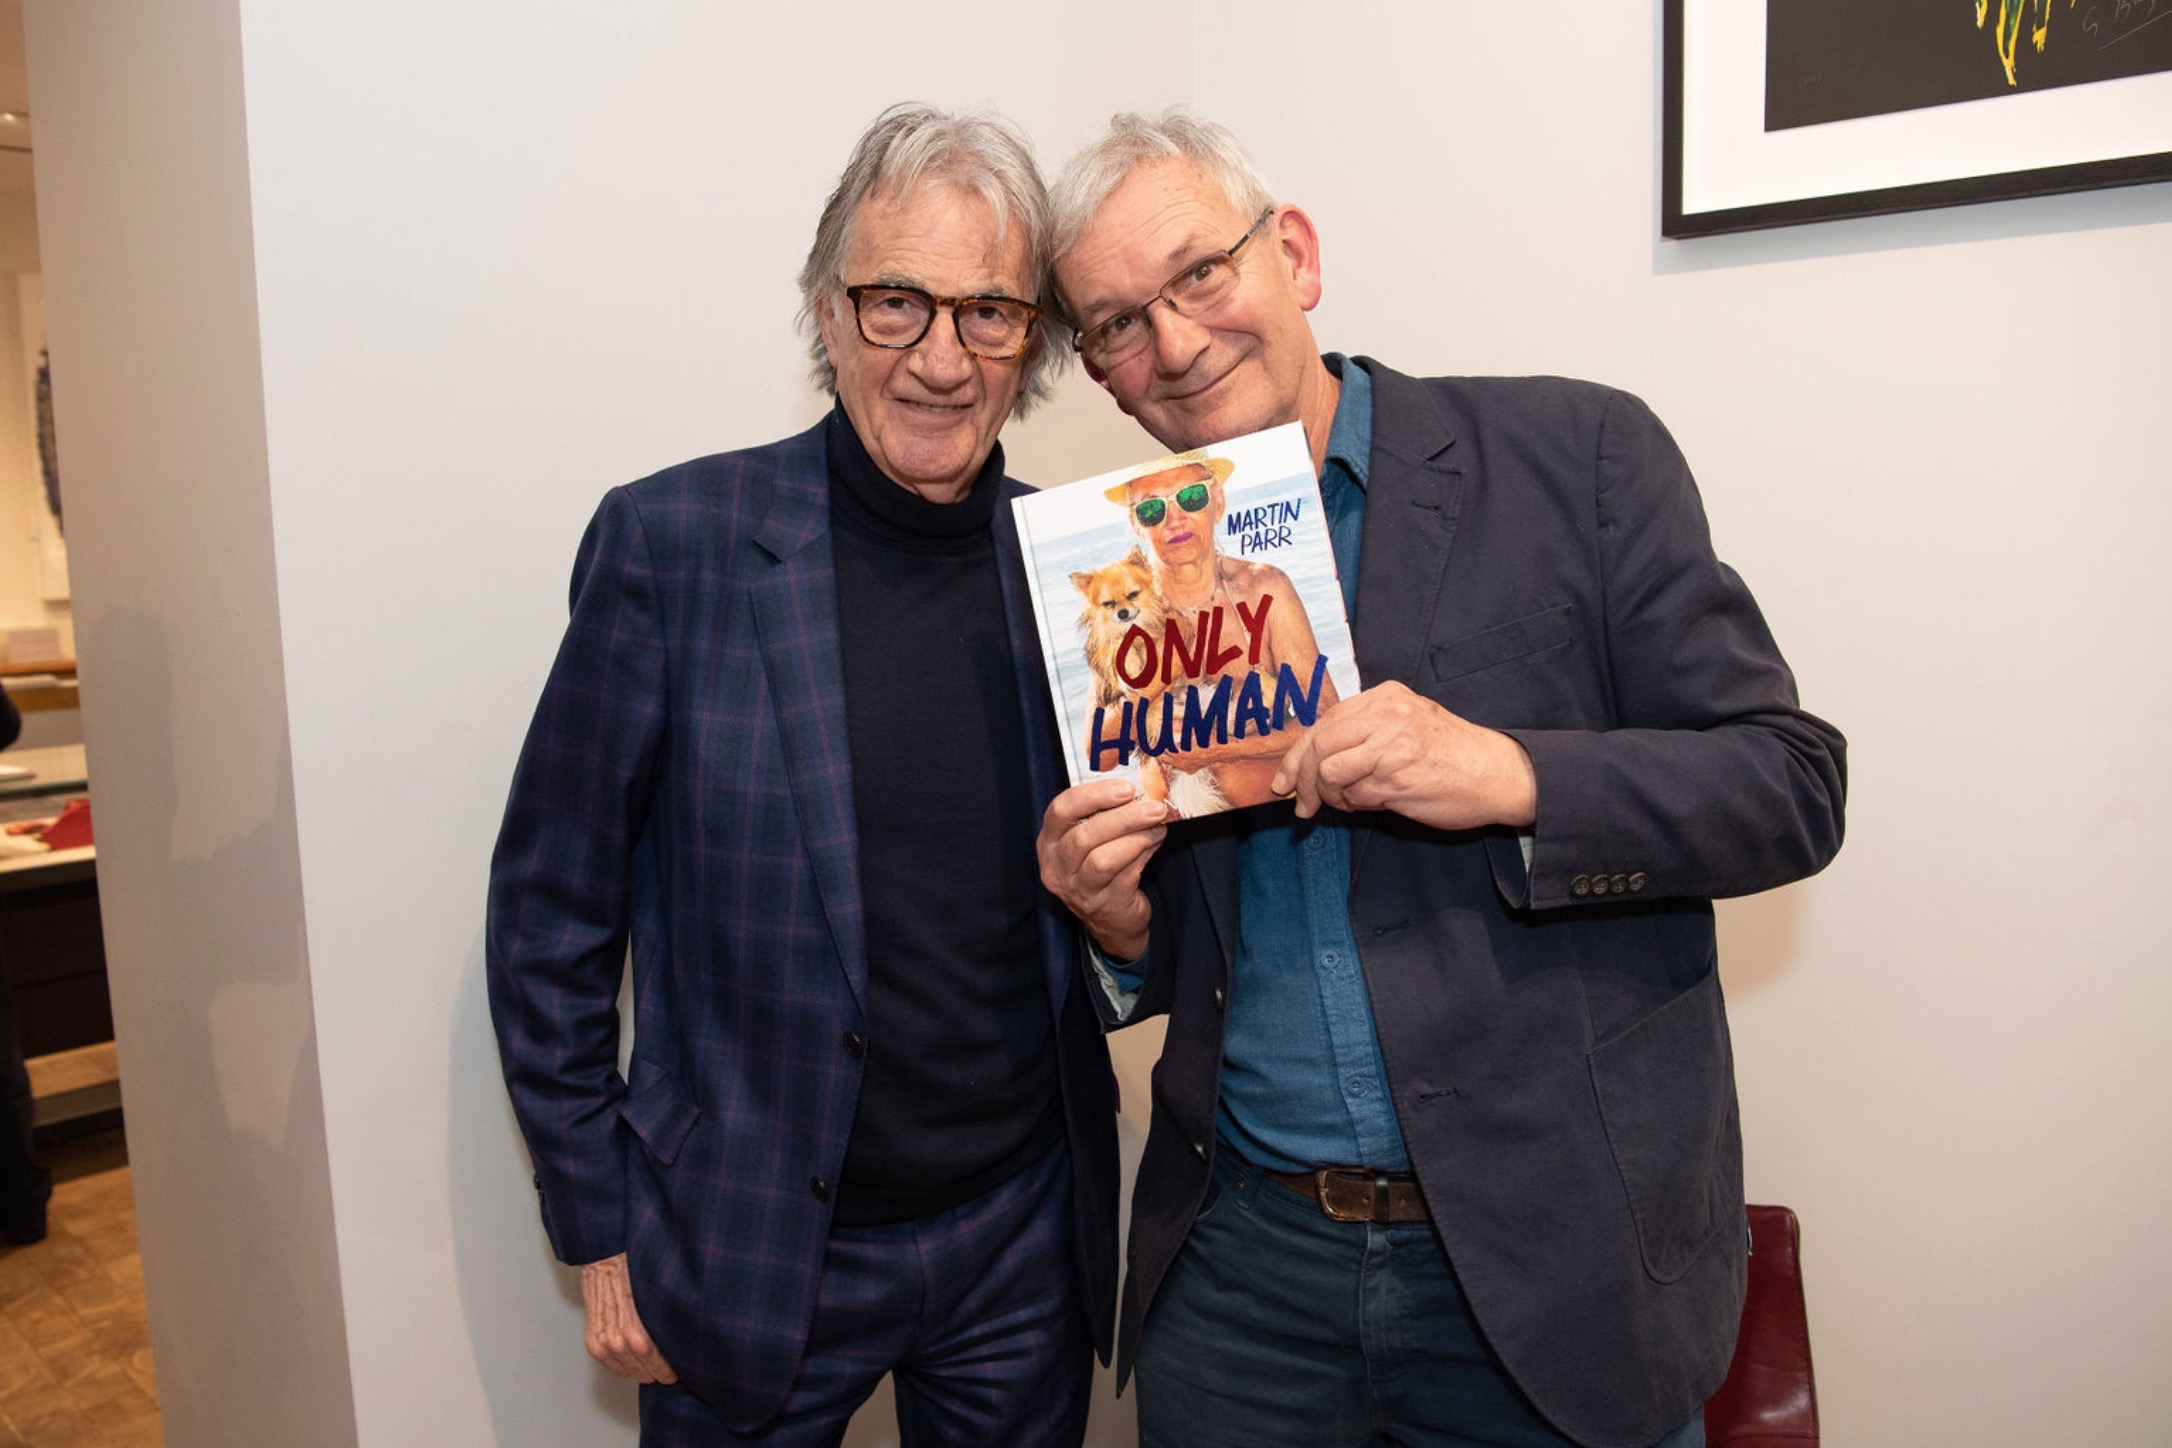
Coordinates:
<point>794,748</point>
<point>1444,1144</point>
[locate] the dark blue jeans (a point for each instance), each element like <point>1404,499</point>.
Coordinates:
<point>975,1312</point>
<point>1278,1325</point>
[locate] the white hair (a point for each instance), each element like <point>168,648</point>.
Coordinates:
<point>1134,140</point>
<point>911,144</point>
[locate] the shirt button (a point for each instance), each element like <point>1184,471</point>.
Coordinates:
<point>1357,1085</point>
<point>820,1188</point>
<point>1330,959</point>
<point>855,1047</point>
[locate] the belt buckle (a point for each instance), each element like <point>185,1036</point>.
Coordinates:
<point>1352,1196</point>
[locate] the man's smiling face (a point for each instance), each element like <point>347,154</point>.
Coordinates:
<point>927,414</point>
<point>1242,365</point>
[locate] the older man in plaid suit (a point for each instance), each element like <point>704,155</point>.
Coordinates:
<point>869,1123</point>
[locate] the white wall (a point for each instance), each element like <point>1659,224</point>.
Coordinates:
<point>356,336</point>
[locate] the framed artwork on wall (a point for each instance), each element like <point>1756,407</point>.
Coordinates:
<point>1786,111</point>
<point>44,462</point>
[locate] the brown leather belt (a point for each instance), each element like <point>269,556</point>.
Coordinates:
<point>1353,1194</point>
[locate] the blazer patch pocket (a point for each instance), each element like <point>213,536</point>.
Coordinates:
<point>661,1115</point>
<point>1666,1095</point>
<point>1520,638</point>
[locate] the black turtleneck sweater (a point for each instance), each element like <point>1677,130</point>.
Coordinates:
<point>960,1087</point>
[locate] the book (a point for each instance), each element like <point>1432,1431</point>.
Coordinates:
<point>1190,616</point>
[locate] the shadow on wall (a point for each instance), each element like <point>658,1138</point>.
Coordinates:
<point>206,951</point>
<point>1760,940</point>
<point>522,1307</point>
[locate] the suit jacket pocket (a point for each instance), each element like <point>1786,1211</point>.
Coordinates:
<point>1667,1096</point>
<point>660,1114</point>
<point>1519,638</point>
<point>1519,674</point>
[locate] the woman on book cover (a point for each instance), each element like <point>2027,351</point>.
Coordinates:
<point>1219,667</point>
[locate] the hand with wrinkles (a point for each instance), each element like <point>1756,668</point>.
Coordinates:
<point>1095,841</point>
<point>1388,748</point>
<point>616,1337</point>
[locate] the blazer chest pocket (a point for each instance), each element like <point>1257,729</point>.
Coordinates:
<point>660,1115</point>
<point>1514,673</point>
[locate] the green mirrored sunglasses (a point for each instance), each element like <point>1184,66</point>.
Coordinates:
<point>1150,511</point>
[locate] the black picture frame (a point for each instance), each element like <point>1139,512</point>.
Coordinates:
<point>2103,155</point>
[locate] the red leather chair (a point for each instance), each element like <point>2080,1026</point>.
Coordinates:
<point>1770,1398</point>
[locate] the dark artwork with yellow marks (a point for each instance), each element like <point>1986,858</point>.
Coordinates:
<point>1835,60</point>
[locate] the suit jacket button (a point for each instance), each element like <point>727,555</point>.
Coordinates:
<point>1199,1149</point>
<point>854,1046</point>
<point>1581,885</point>
<point>1621,884</point>
<point>1218,998</point>
<point>820,1188</point>
<point>1636,882</point>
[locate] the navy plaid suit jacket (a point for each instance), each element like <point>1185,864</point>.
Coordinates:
<point>686,782</point>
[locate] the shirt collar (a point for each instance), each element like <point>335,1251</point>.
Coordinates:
<point>1350,438</point>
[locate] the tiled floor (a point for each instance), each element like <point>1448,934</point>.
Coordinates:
<point>75,1346</point>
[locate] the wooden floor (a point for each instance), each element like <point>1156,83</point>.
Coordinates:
<point>75,1346</point>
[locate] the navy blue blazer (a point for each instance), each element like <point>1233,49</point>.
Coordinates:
<point>1536,559</point>
<point>686,783</point>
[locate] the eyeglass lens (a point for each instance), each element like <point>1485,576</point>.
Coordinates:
<point>1188,293</point>
<point>898,317</point>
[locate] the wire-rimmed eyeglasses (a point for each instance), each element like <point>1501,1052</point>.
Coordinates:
<point>1204,282</point>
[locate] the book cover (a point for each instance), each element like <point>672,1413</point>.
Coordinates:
<point>1190,617</point>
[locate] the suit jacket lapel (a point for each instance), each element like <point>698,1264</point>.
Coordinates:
<point>1046,774</point>
<point>1413,499</point>
<point>795,613</point>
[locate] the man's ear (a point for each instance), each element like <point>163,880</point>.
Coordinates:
<point>1094,372</point>
<point>825,315</point>
<point>1297,242</point>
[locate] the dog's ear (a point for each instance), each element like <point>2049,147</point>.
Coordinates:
<point>1138,557</point>
<point>1084,581</point>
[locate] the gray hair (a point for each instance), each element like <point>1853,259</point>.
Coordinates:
<point>910,145</point>
<point>1134,140</point>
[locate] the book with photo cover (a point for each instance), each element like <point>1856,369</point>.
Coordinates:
<point>1190,617</point>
